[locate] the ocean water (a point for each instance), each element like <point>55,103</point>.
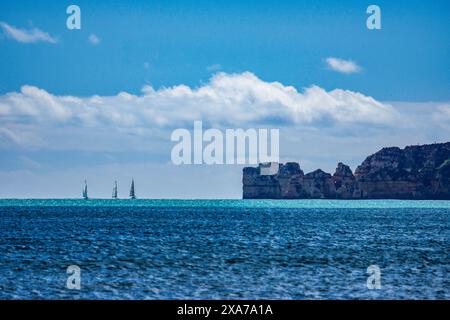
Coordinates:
<point>224,249</point>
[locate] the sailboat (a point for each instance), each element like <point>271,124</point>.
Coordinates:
<point>85,190</point>
<point>114,193</point>
<point>132,194</point>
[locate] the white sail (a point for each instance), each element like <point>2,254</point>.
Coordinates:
<point>85,190</point>
<point>132,194</point>
<point>114,194</point>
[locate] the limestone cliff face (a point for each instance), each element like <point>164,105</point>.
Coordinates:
<point>282,185</point>
<point>319,184</point>
<point>344,182</point>
<point>416,172</point>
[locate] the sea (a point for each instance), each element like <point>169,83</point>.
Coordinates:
<point>224,249</point>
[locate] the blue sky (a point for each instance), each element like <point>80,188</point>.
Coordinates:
<point>253,44</point>
<point>279,41</point>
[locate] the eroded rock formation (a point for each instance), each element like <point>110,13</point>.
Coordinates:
<point>415,172</point>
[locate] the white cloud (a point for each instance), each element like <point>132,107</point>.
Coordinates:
<point>34,104</point>
<point>214,67</point>
<point>17,137</point>
<point>26,36</point>
<point>442,115</point>
<point>94,39</point>
<point>444,111</point>
<point>343,66</point>
<point>28,162</point>
<point>227,100</point>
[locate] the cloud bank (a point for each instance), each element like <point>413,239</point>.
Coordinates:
<point>226,100</point>
<point>26,36</point>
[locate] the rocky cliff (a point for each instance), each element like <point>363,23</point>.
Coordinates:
<point>415,172</point>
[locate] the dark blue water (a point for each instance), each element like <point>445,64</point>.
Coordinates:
<point>224,249</point>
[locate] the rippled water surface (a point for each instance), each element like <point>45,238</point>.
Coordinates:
<point>228,249</point>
